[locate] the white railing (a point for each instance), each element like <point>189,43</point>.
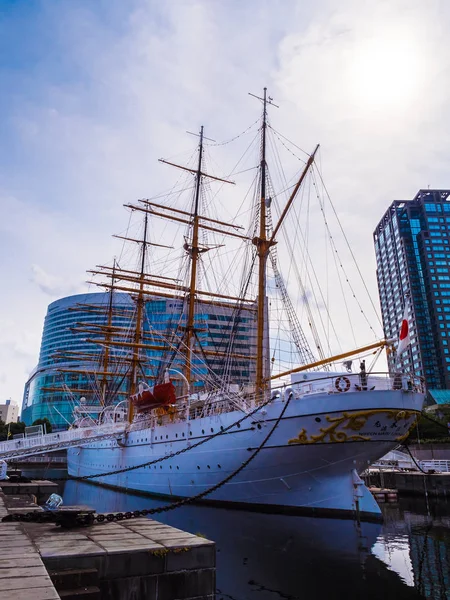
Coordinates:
<point>440,466</point>
<point>353,382</point>
<point>58,441</point>
<point>44,459</point>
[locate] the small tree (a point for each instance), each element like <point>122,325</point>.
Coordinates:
<point>432,427</point>
<point>44,421</point>
<point>3,431</point>
<point>15,428</point>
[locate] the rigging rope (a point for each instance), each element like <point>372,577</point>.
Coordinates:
<point>294,265</point>
<point>350,249</point>
<point>333,245</point>
<point>233,138</point>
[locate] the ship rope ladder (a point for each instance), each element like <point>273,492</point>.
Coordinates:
<point>298,335</point>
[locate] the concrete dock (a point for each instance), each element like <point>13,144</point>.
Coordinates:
<point>127,560</point>
<point>23,575</point>
<point>40,489</point>
<point>412,483</point>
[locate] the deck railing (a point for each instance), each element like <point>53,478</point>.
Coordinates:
<point>58,440</point>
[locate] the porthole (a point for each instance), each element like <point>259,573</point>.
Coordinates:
<point>178,467</point>
<point>160,466</point>
<point>170,466</point>
<point>212,430</point>
<point>219,466</point>
<point>183,433</point>
<point>176,435</point>
<point>259,426</point>
<point>208,466</point>
<point>198,467</point>
<point>167,437</point>
<point>203,431</point>
<point>239,425</point>
<point>190,433</point>
<point>318,419</point>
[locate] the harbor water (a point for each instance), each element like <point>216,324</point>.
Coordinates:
<point>277,557</point>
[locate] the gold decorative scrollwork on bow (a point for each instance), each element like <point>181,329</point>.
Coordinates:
<point>353,421</point>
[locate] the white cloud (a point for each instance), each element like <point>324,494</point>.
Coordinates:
<point>55,287</point>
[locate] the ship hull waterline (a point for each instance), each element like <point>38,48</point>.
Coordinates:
<point>308,466</point>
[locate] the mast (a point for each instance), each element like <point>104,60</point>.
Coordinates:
<point>194,251</point>
<point>262,247</point>
<point>140,301</point>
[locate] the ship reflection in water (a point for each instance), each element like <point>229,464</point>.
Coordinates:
<point>268,557</point>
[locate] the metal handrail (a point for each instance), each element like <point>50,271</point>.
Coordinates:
<point>60,440</point>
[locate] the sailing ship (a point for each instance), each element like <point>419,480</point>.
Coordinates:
<point>228,425</point>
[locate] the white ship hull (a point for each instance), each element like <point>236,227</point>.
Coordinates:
<point>308,465</point>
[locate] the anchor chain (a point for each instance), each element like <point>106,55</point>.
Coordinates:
<point>84,518</point>
<point>182,451</point>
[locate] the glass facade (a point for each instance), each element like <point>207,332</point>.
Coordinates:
<point>413,267</point>
<point>70,365</point>
<point>58,382</point>
<point>224,337</point>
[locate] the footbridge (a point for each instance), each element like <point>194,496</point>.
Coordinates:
<point>50,442</point>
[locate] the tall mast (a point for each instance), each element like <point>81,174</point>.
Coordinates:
<point>140,301</point>
<point>196,221</point>
<point>262,246</point>
<point>194,251</point>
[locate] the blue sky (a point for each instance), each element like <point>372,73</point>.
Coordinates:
<point>93,93</point>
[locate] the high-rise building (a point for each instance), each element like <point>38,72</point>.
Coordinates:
<point>9,412</point>
<point>72,362</point>
<point>412,245</point>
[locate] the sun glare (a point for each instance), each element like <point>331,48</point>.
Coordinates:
<point>387,72</point>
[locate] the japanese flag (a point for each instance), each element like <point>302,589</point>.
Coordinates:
<point>403,338</point>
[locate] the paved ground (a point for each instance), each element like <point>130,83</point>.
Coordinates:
<point>22,573</point>
<point>138,551</point>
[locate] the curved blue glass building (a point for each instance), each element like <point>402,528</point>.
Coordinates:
<point>54,386</point>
